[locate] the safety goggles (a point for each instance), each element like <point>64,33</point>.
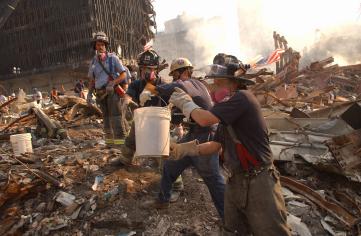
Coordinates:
<point>215,70</point>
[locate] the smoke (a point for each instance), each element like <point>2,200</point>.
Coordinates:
<point>244,28</point>
<point>343,43</point>
<point>237,31</point>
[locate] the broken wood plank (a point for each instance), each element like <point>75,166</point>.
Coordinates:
<point>49,123</point>
<point>8,103</point>
<point>16,121</point>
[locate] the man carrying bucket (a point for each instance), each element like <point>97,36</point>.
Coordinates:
<point>149,66</point>
<point>148,63</point>
<point>253,199</point>
<point>208,166</point>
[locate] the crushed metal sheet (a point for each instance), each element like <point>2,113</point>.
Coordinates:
<point>334,209</point>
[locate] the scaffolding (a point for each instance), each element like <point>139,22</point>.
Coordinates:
<point>42,34</point>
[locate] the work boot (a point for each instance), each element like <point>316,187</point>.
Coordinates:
<point>127,152</point>
<point>120,160</point>
<point>174,196</point>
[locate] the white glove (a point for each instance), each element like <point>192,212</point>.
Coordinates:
<point>178,151</point>
<point>145,96</point>
<point>183,101</point>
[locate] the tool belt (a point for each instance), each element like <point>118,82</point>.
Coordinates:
<point>100,94</point>
<point>250,173</point>
<point>254,171</point>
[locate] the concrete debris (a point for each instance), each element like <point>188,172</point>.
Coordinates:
<point>64,198</point>
<point>68,186</point>
<point>298,227</point>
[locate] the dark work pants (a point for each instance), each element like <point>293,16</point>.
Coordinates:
<point>130,139</point>
<point>115,126</point>
<point>255,205</point>
<point>206,166</point>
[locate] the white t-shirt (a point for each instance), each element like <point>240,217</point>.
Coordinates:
<point>3,98</point>
<point>38,96</point>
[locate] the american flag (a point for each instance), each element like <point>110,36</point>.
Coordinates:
<point>259,60</point>
<point>148,45</point>
<point>275,56</point>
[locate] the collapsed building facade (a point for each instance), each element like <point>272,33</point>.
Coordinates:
<point>39,36</point>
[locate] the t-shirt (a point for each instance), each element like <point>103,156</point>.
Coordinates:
<point>137,87</point>
<point>2,98</point>
<point>38,96</point>
<point>194,88</point>
<point>242,111</point>
<point>97,72</point>
<point>78,87</point>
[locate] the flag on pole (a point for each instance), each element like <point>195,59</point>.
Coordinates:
<point>274,56</point>
<point>148,45</point>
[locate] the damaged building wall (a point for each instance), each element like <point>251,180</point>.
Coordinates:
<point>42,34</point>
<point>59,78</point>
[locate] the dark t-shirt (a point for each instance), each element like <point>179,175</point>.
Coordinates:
<point>242,111</point>
<point>137,87</point>
<point>78,87</point>
<point>200,96</point>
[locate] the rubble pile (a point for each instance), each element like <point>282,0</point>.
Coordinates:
<point>66,186</point>
<point>317,86</point>
<point>313,117</point>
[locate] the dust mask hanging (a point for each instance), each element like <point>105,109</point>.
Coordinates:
<point>221,95</point>
<point>101,55</point>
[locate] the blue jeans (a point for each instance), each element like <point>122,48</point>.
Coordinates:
<point>207,167</point>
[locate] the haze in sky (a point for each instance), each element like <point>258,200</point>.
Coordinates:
<point>315,28</point>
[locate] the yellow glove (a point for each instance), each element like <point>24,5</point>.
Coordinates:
<point>178,151</point>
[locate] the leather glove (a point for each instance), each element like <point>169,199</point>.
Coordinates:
<point>110,88</point>
<point>183,101</point>
<point>178,151</point>
<point>89,98</point>
<point>145,96</point>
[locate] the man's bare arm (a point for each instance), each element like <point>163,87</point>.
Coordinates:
<point>204,117</point>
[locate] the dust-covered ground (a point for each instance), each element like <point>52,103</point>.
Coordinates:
<point>30,203</point>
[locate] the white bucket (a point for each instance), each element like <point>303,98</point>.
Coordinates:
<point>152,131</point>
<point>21,143</point>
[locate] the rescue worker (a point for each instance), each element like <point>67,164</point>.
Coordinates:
<point>149,66</point>
<point>148,63</point>
<point>108,77</point>
<point>79,89</point>
<point>38,96</point>
<point>54,94</point>
<point>253,199</point>
<point>208,167</point>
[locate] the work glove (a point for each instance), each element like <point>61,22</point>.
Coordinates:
<point>183,101</point>
<point>178,151</point>
<point>89,98</point>
<point>110,88</point>
<point>145,96</point>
